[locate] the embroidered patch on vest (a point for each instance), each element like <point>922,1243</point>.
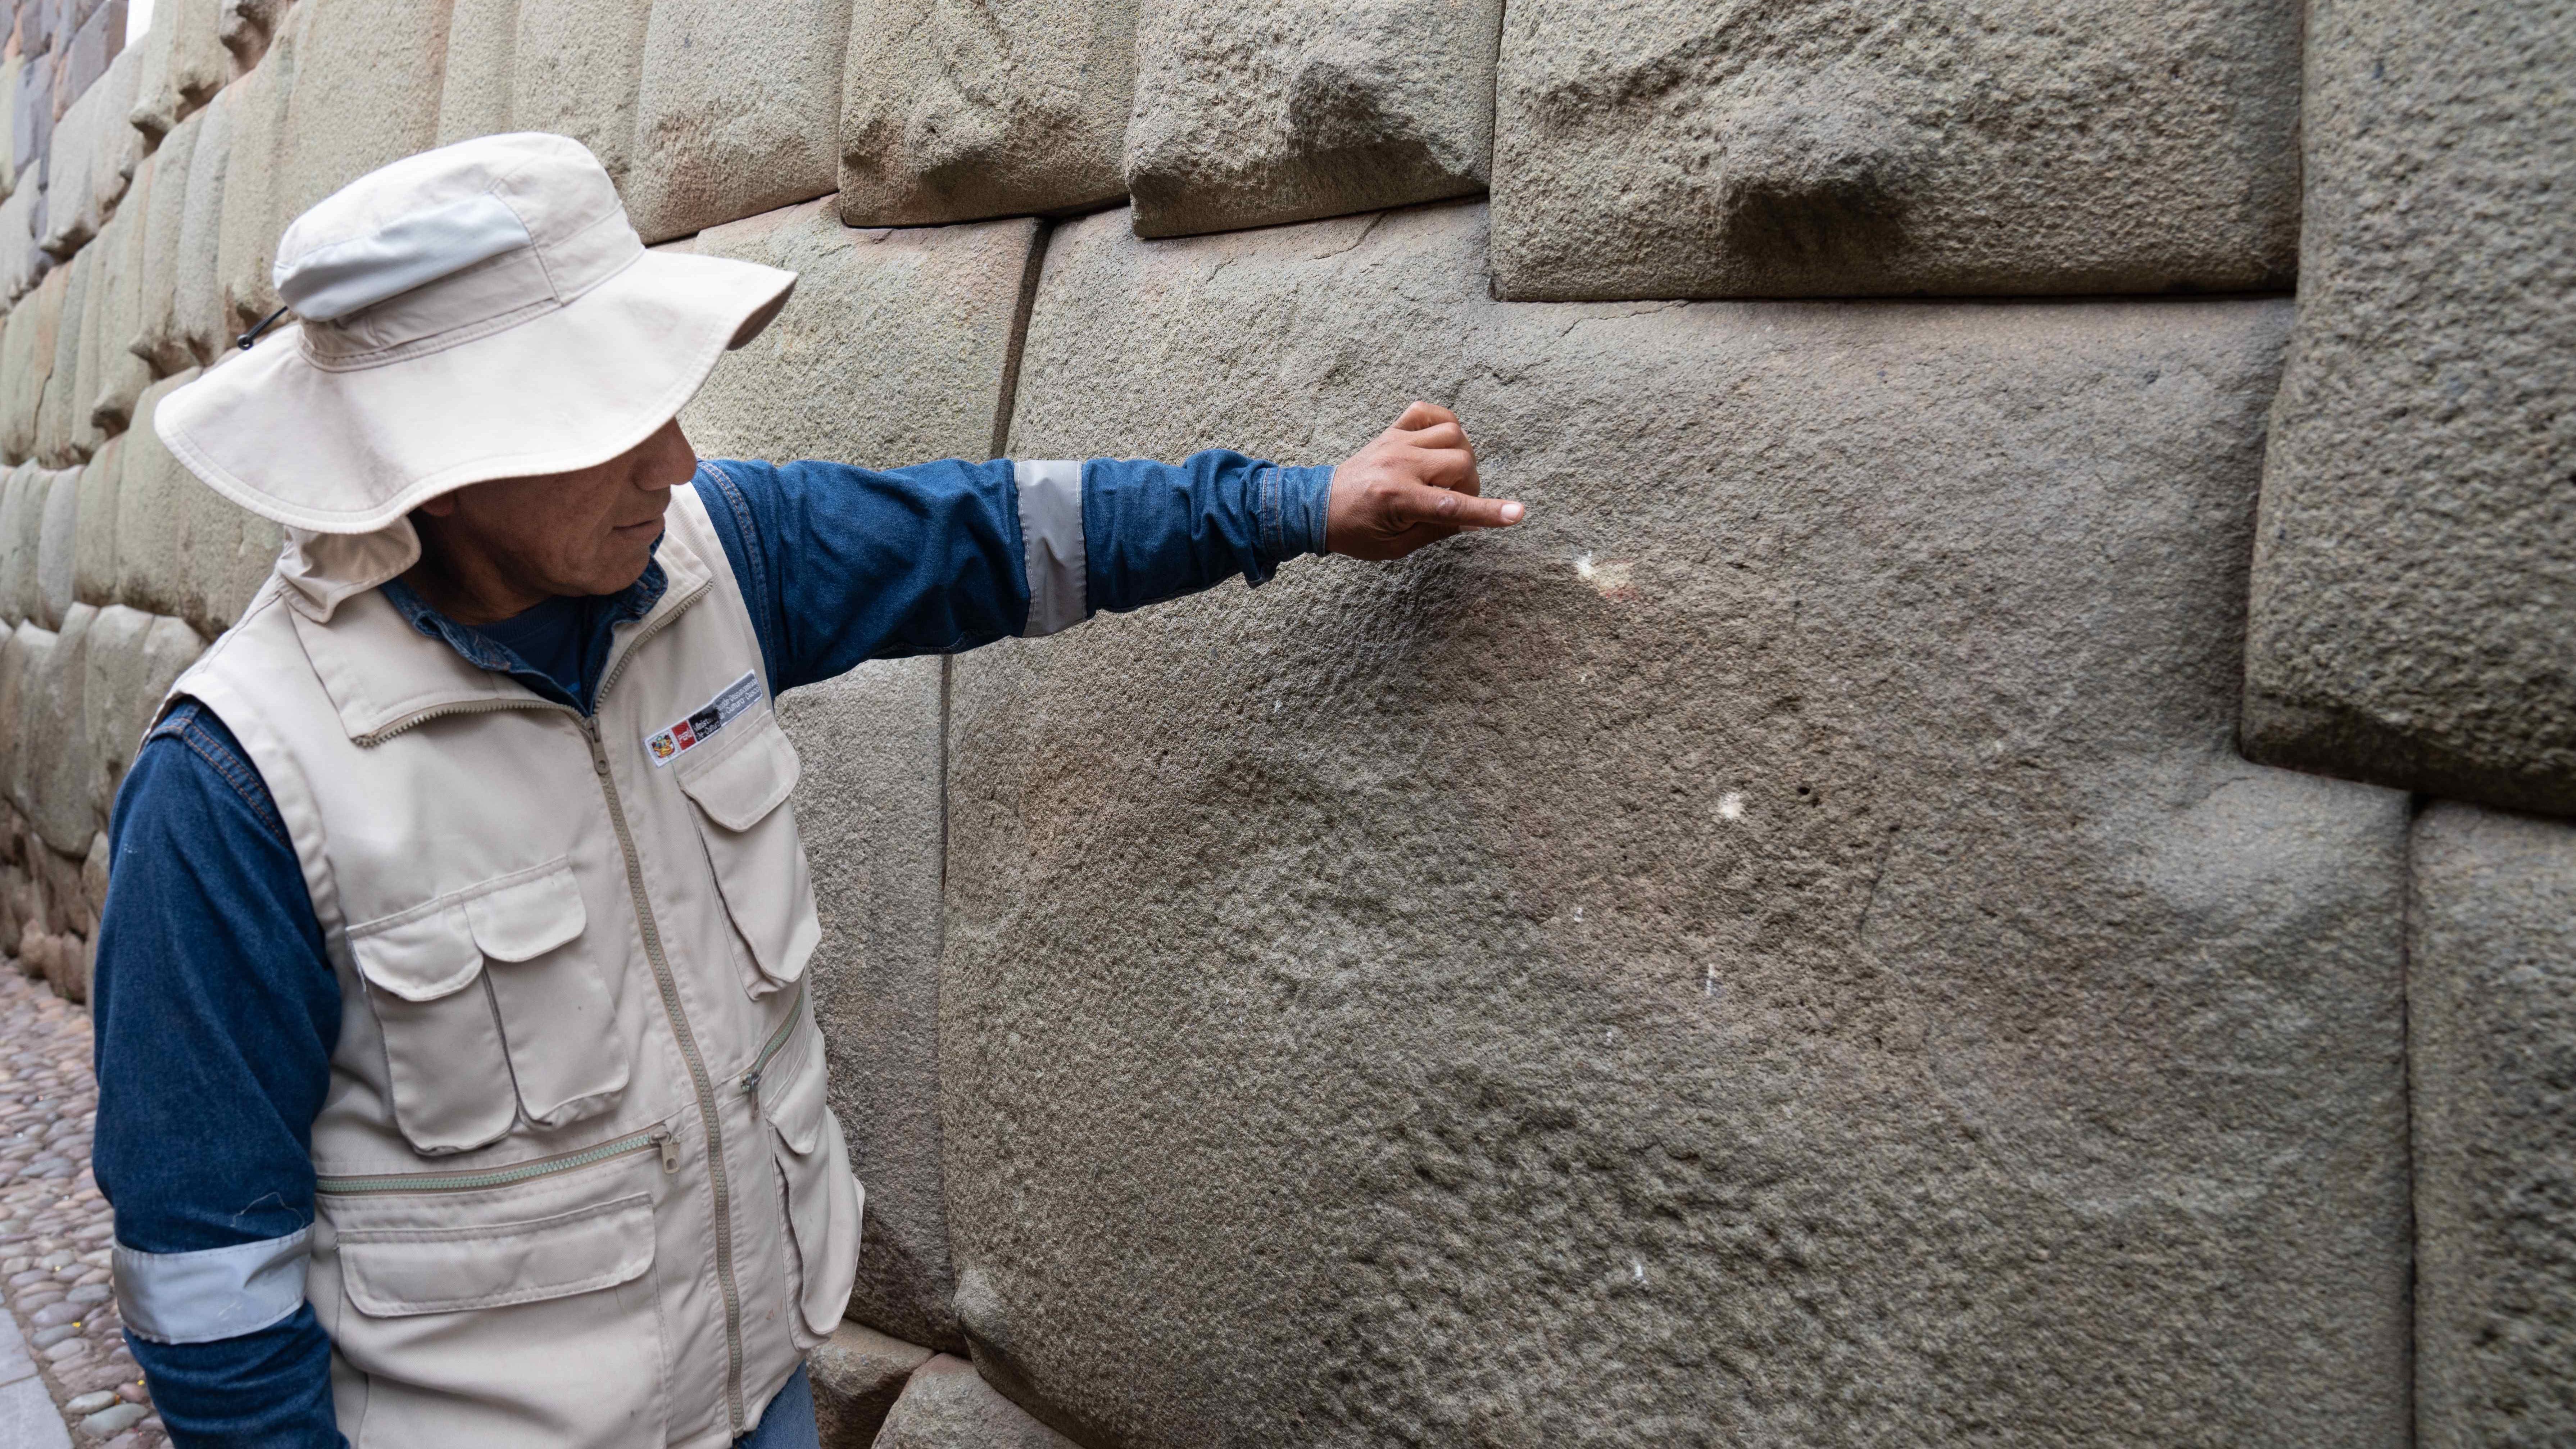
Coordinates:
<point>704,723</point>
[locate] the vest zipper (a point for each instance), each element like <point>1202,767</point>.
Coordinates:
<point>698,1078</point>
<point>517,1172</point>
<point>777,1040</point>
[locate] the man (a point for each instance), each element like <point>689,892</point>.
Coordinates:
<point>458,1083</point>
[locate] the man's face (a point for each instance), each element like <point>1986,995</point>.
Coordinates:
<point>582,533</point>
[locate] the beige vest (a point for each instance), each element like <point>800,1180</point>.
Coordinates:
<point>578,1184</point>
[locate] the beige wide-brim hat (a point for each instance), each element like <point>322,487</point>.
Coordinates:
<point>480,311</point>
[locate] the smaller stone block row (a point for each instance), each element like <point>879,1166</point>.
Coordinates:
<point>49,907</point>
<point>872,1390</point>
<point>74,703</point>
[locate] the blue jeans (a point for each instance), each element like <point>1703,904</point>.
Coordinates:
<point>789,1424</point>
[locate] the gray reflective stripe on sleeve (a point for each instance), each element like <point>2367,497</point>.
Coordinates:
<point>1051,537</point>
<point>211,1294</point>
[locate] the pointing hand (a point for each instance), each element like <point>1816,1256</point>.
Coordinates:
<point>1414,484</point>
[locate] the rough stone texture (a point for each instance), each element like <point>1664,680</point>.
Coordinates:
<point>134,658</point>
<point>2415,574</point>
<point>26,655</point>
<point>22,514</point>
<point>198,300</point>
<point>55,441</point>
<point>13,73</point>
<point>1670,148</point>
<point>1777,949</point>
<point>56,528</point>
<point>58,789</point>
<point>710,148</point>
<point>70,220</point>
<point>160,338</point>
<point>575,68</point>
<point>94,527</point>
<point>857,1375</point>
<point>119,147</point>
<point>474,81</point>
<point>117,373</point>
<point>893,349</point>
<point>181,549</point>
<point>367,78</point>
<point>946,1406</point>
<point>254,213</point>
<point>870,810</point>
<point>248,27</point>
<point>954,110</point>
<point>193,67</point>
<point>1250,112</point>
<point>2491,995</point>
<point>22,262</point>
<point>27,350</point>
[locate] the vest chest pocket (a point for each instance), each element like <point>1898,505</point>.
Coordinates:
<point>491,1011</point>
<point>758,858</point>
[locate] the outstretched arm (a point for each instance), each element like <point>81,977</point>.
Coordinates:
<point>841,564</point>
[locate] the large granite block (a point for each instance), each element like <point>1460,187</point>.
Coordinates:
<point>893,349</point>
<point>367,77</point>
<point>114,371</point>
<point>954,110</point>
<point>22,263</point>
<point>869,805</point>
<point>119,147</point>
<point>56,412</point>
<point>22,515</point>
<point>474,82</point>
<point>576,68</point>
<point>2491,992</point>
<point>1251,112</point>
<point>13,75</point>
<point>255,214</point>
<point>58,785</point>
<point>94,526</point>
<point>27,351</point>
<point>946,1406</point>
<point>1676,148</point>
<point>183,64</point>
<point>133,660</point>
<point>248,27</point>
<point>181,548</point>
<point>197,299</point>
<point>710,148</point>
<point>2415,574</point>
<point>1777,948</point>
<point>57,528</point>
<point>159,337</point>
<point>857,1374</point>
<point>24,665</point>
<point>70,220</point>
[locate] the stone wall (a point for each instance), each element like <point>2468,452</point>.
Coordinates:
<point>1889,911</point>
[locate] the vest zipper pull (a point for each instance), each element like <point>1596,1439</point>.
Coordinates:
<point>751,1083</point>
<point>670,1146</point>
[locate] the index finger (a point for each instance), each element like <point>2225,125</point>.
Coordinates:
<point>1422,503</point>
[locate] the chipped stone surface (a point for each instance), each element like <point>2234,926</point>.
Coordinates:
<point>134,658</point>
<point>1830,983</point>
<point>2415,575</point>
<point>181,548</point>
<point>115,374</point>
<point>856,1375</point>
<point>892,350</point>
<point>192,67</point>
<point>869,803</point>
<point>1671,148</point>
<point>56,437</point>
<point>28,345</point>
<point>254,210</point>
<point>197,304</point>
<point>710,148</point>
<point>57,526</point>
<point>160,337</point>
<point>94,526</point>
<point>1249,112</point>
<point>365,94</point>
<point>946,1406</point>
<point>2491,991</point>
<point>954,110</point>
<point>51,1211</point>
<point>57,793</point>
<point>22,514</point>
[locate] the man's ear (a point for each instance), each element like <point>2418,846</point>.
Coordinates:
<point>443,506</point>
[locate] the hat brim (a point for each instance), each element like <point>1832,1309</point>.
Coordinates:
<point>351,450</point>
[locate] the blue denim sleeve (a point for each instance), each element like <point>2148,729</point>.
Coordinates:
<point>215,1010</point>
<point>841,564</point>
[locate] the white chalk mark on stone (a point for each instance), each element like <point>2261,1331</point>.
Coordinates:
<point>1730,806</point>
<point>1608,578</point>
<point>1639,1267</point>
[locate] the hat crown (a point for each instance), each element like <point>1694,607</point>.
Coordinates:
<point>450,239</point>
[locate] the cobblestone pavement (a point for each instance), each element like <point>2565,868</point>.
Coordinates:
<point>54,1234</point>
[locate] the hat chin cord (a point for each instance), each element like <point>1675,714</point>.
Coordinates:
<point>246,340</point>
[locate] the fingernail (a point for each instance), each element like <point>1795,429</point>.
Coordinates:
<point>1511,513</point>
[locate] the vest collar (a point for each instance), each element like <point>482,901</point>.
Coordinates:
<point>384,676</point>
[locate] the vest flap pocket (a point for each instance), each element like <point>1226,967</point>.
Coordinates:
<point>403,1272</point>
<point>529,916</point>
<point>739,788</point>
<point>791,1093</point>
<point>420,959</point>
